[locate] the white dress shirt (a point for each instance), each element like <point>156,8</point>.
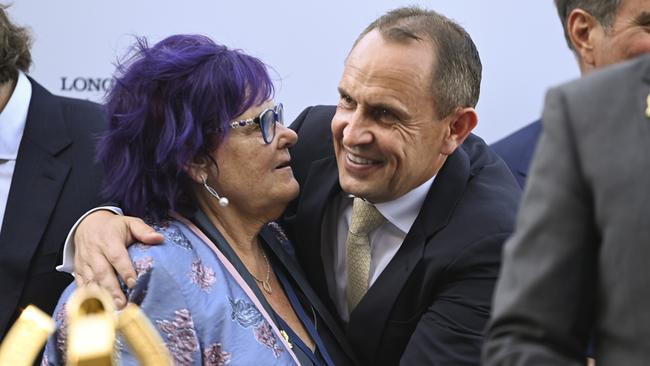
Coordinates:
<point>12,125</point>
<point>385,241</point>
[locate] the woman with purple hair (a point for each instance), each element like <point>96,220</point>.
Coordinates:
<point>197,148</point>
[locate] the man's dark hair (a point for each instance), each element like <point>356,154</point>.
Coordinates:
<point>15,43</point>
<point>604,11</point>
<point>456,79</point>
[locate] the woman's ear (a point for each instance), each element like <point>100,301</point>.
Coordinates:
<point>197,170</point>
<point>462,122</point>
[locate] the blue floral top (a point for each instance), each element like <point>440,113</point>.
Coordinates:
<point>203,309</point>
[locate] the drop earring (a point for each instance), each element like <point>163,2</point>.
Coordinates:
<point>223,201</point>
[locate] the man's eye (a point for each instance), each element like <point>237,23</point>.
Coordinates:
<point>346,101</point>
<point>385,115</point>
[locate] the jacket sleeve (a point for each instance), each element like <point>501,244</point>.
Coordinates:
<point>450,332</point>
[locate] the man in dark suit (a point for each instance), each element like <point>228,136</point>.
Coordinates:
<point>47,178</point>
<point>578,261</point>
<point>400,139</point>
<point>600,33</point>
<point>415,288</point>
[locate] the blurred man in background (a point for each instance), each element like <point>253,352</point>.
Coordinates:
<point>600,33</point>
<point>47,177</point>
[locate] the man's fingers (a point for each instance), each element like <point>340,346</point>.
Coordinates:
<point>141,232</point>
<point>83,271</point>
<point>79,279</point>
<point>105,277</point>
<point>101,240</point>
<point>118,257</point>
<point>108,281</point>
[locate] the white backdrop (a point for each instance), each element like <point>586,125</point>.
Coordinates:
<point>520,42</point>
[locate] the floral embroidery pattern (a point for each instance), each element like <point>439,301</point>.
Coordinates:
<point>62,337</point>
<point>177,237</point>
<point>142,265</point>
<point>264,335</point>
<point>181,337</point>
<point>139,246</point>
<point>247,315</point>
<point>120,347</point>
<point>170,231</point>
<point>202,275</point>
<point>215,356</point>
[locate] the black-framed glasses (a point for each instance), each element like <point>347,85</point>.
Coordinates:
<point>267,120</point>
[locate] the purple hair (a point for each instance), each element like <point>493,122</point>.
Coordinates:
<point>171,105</point>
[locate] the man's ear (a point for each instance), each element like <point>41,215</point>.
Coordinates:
<point>584,32</point>
<point>462,122</point>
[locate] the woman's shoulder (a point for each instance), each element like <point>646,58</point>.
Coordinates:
<point>179,242</point>
<point>180,252</point>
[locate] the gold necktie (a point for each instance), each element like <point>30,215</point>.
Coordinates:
<point>365,218</point>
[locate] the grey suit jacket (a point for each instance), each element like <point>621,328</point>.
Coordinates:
<point>580,256</point>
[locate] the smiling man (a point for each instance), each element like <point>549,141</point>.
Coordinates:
<point>401,143</point>
<point>402,212</point>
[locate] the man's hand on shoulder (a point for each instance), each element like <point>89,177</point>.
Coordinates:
<point>100,250</point>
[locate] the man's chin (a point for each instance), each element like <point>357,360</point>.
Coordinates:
<point>359,189</point>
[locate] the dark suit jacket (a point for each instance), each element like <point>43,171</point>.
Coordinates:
<point>579,259</point>
<point>54,182</point>
<point>517,150</point>
<point>431,303</point>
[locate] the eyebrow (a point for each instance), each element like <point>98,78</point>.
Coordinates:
<point>643,18</point>
<point>399,112</point>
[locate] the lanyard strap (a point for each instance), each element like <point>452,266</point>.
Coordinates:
<point>306,321</point>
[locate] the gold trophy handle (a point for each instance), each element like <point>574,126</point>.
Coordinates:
<point>91,333</point>
<point>91,327</point>
<point>142,337</point>
<point>26,338</point>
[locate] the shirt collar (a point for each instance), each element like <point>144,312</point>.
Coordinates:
<point>403,211</point>
<point>14,117</point>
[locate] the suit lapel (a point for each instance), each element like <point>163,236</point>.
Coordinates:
<point>318,190</point>
<point>369,318</point>
<point>35,187</point>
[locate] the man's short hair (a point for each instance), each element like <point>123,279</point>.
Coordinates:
<point>15,43</point>
<point>604,11</point>
<point>456,80</point>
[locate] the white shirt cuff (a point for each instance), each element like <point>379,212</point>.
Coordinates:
<point>68,248</point>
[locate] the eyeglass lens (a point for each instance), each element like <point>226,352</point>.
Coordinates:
<point>268,120</point>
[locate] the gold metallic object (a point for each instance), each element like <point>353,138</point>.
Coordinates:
<point>142,337</point>
<point>286,338</point>
<point>91,327</point>
<point>26,338</point>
